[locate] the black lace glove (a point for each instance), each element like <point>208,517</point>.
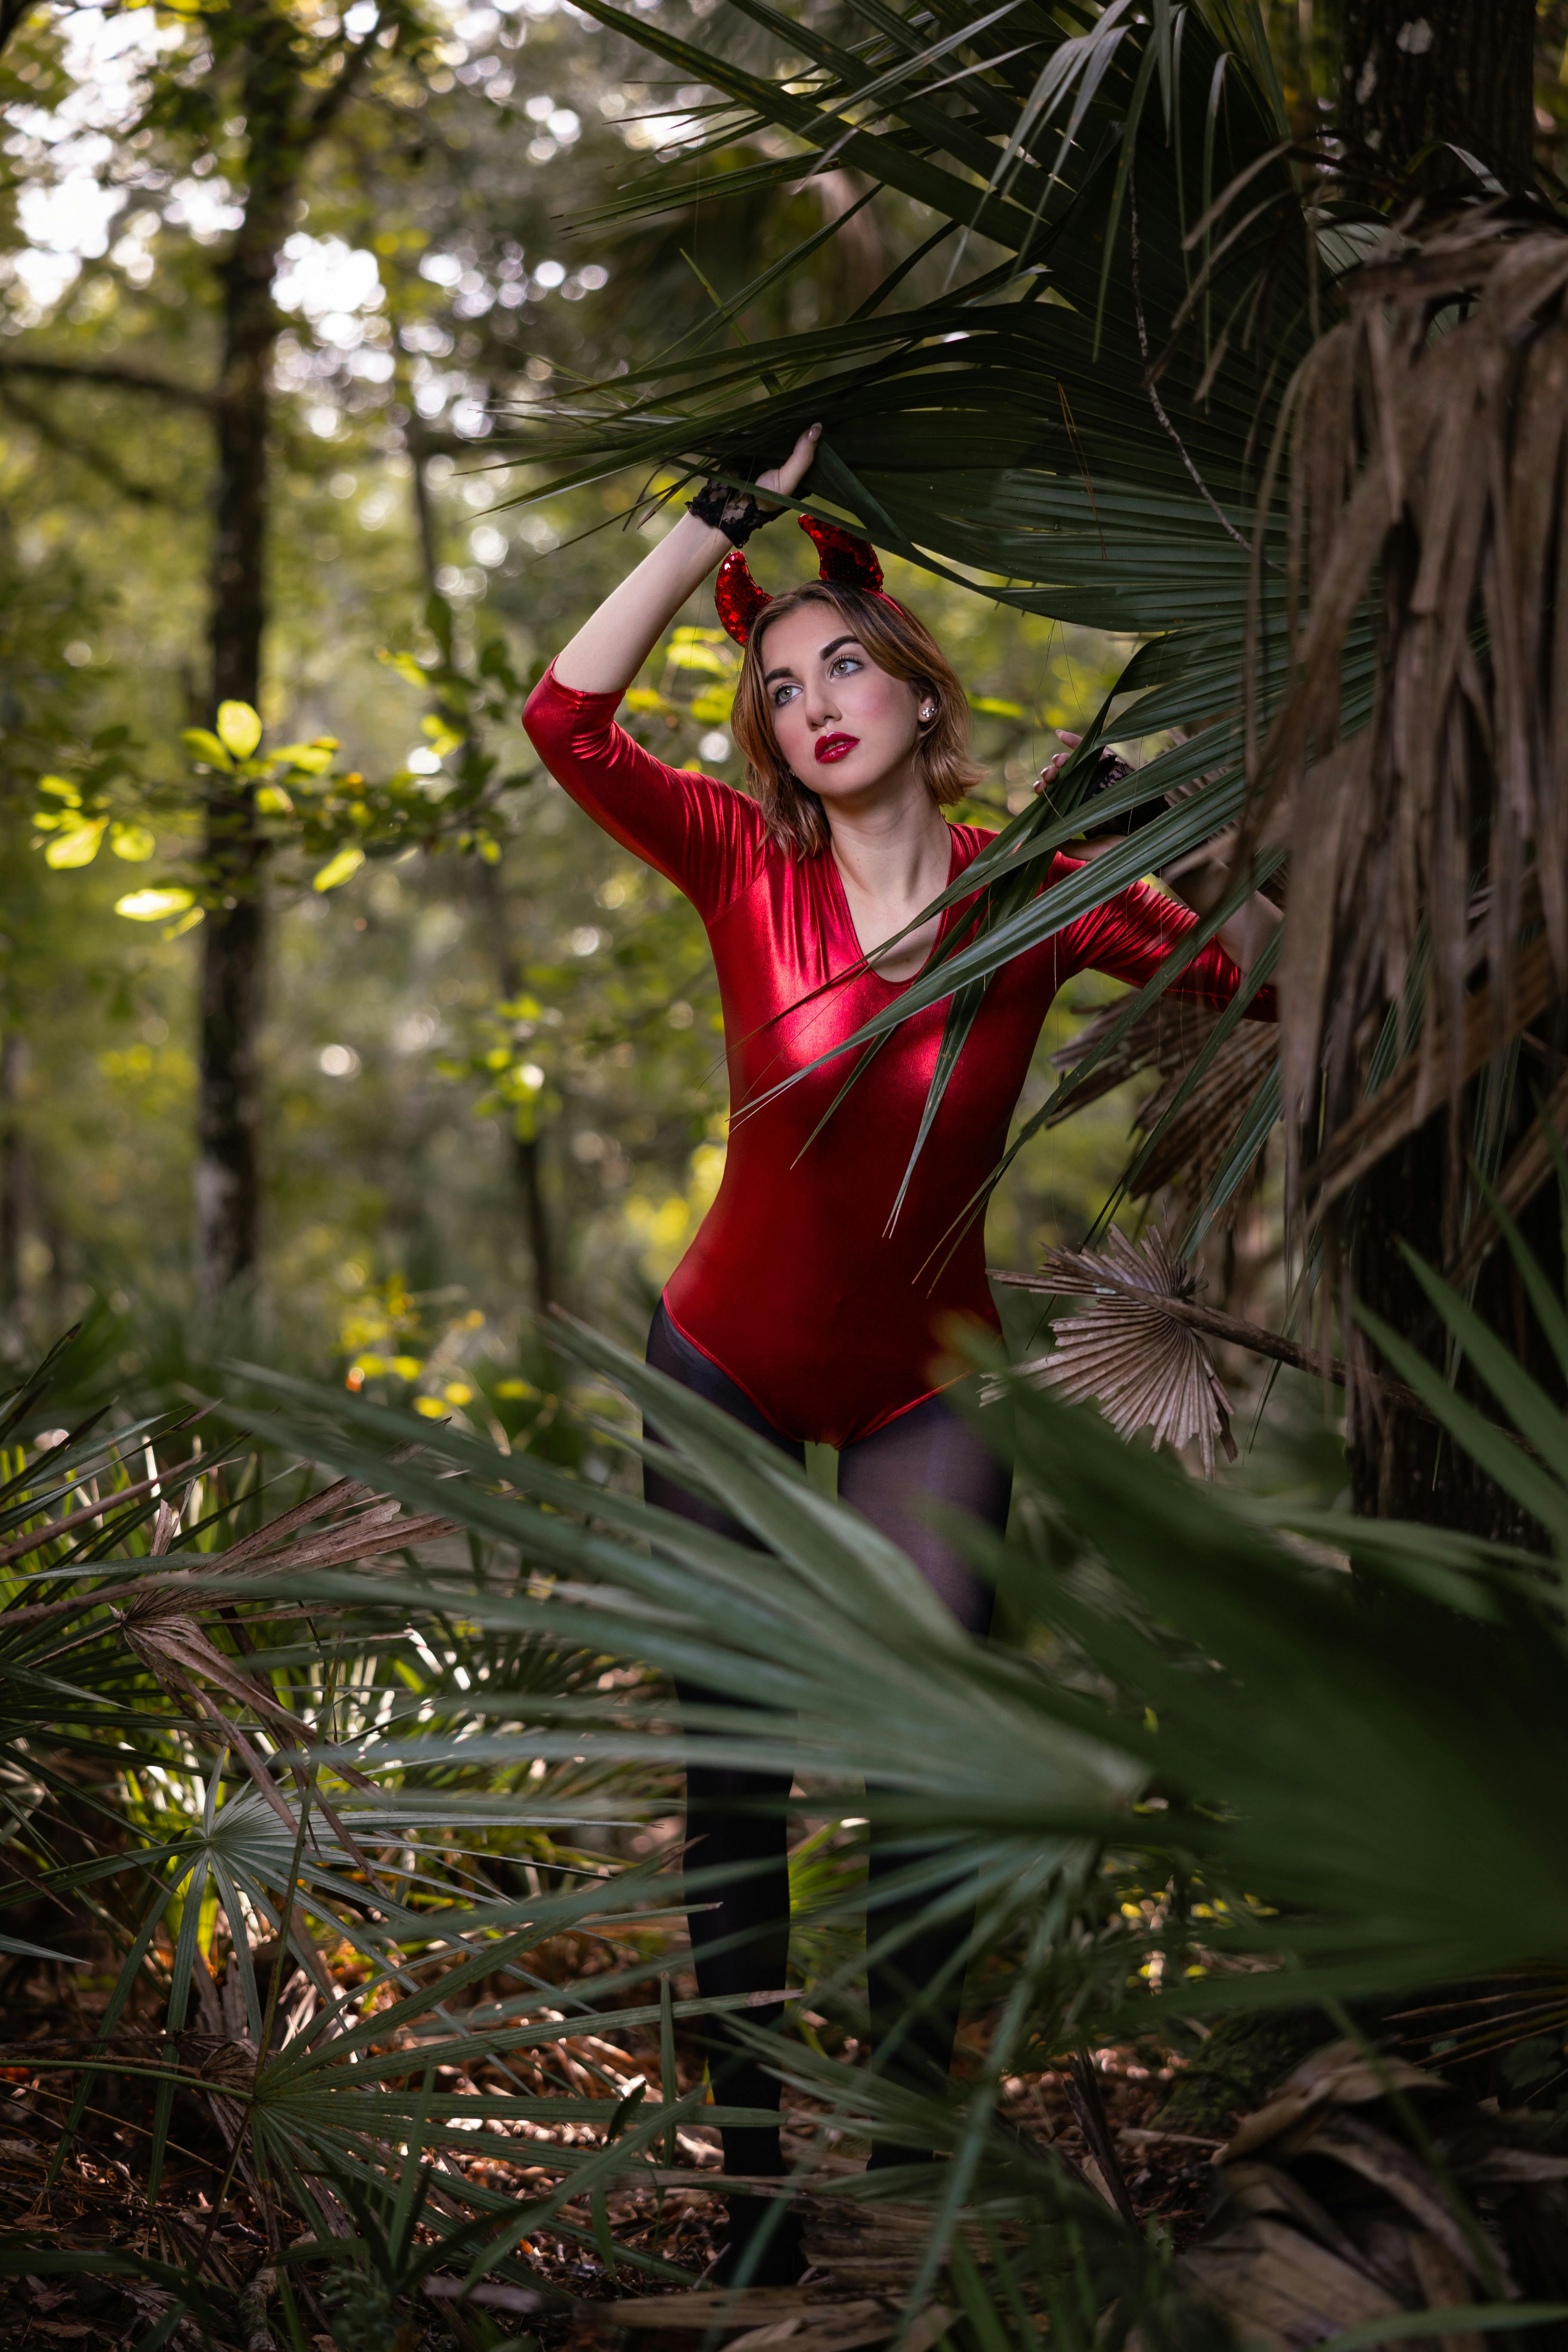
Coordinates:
<point>734,512</point>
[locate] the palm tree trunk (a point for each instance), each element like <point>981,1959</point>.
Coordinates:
<point>1447,70</point>
<point>1418,73</point>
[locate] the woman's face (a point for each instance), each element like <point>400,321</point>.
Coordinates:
<point>843,724</point>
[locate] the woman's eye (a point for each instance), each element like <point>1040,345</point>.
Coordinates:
<point>845,661</point>
<point>782,695</point>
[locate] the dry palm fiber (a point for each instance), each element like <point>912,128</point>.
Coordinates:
<point>1428,487</point>
<point>1168,1040</point>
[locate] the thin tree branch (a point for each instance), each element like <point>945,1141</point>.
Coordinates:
<point>1159,406</point>
<point>335,97</point>
<point>120,379</point>
<point>96,461</point>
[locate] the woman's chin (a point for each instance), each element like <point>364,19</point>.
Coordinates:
<point>853,777</point>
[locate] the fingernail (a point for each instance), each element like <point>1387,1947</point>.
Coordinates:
<point>815,431</point>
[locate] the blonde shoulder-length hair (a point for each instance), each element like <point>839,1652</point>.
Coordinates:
<point>898,644</point>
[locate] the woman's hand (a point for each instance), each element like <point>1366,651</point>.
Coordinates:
<point>788,477</point>
<point>608,650</point>
<point>1054,766</point>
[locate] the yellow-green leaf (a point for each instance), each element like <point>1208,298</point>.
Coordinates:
<point>340,869</point>
<point>238,727</point>
<point>61,788</point>
<point>443,737</point>
<point>310,759</point>
<point>203,744</point>
<point>135,842</point>
<point>713,706</point>
<point>407,666</point>
<point>699,658</point>
<point>645,697</point>
<point>148,906</point>
<point>186,923</point>
<point>271,800</point>
<point>79,847</point>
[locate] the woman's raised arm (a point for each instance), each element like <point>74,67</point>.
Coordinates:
<point>608,650</point>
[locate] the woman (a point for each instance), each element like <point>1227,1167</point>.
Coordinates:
<point>800,1307</point>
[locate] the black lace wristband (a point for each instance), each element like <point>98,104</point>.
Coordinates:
<point>734,512</point>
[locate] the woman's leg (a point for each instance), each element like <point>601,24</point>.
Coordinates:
<point>928,1453</point>
<point>740,1945</point>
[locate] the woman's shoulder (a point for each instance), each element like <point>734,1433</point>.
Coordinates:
<point>969,840</point>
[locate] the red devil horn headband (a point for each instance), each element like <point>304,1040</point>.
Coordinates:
<point>846,562</point>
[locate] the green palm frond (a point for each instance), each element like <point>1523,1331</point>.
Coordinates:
<point>959,1740</point>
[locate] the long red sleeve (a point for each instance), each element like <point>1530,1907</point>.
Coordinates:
<point>707,838</point>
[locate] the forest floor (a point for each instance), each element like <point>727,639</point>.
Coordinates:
<point>97,2202</point>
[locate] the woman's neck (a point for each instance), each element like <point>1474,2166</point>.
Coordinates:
<point>893,856</point>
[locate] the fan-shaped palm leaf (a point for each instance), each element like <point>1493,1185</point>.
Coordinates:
<point>1127,1353</point>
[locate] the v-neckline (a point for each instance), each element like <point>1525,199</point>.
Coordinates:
<point>868,969</point>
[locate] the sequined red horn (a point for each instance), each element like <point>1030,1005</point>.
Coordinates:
<point>850,561</point>
<point>738,596</point>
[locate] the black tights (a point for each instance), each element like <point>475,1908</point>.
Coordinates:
<point>927,1452</point>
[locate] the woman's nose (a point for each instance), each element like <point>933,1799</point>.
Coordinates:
<point>821,707</point>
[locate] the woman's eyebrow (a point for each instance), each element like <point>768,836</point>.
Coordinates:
<point>831,648</point>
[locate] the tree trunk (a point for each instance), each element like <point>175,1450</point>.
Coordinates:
<point>1417,73</point>
<point>1404,1468</point>
<point>228,1197</point>
<point>525,1151</point>
<point>14,1174</point>
<point>1414,72</point>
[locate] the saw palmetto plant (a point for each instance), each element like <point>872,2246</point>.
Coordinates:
<point>305,1915</point>
<point>1393,1827</point>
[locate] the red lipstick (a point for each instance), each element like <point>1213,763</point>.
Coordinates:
<point>834,747</point>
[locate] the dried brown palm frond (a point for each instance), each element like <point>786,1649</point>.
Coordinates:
<point>1168,1040</point>
<point>1429,484</point>
<point>1366,2189</point>
<point>1126,1352</point>
<point>1143,1341</point>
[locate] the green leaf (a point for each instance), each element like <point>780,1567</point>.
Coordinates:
<point>238,727</point>
<point>310,759</point>
<point>339,870</point>
<point>77,845</point>
<point>202,744</point>
<point>150,906</point>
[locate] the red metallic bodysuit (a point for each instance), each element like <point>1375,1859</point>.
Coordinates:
<point>792,1286</point>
